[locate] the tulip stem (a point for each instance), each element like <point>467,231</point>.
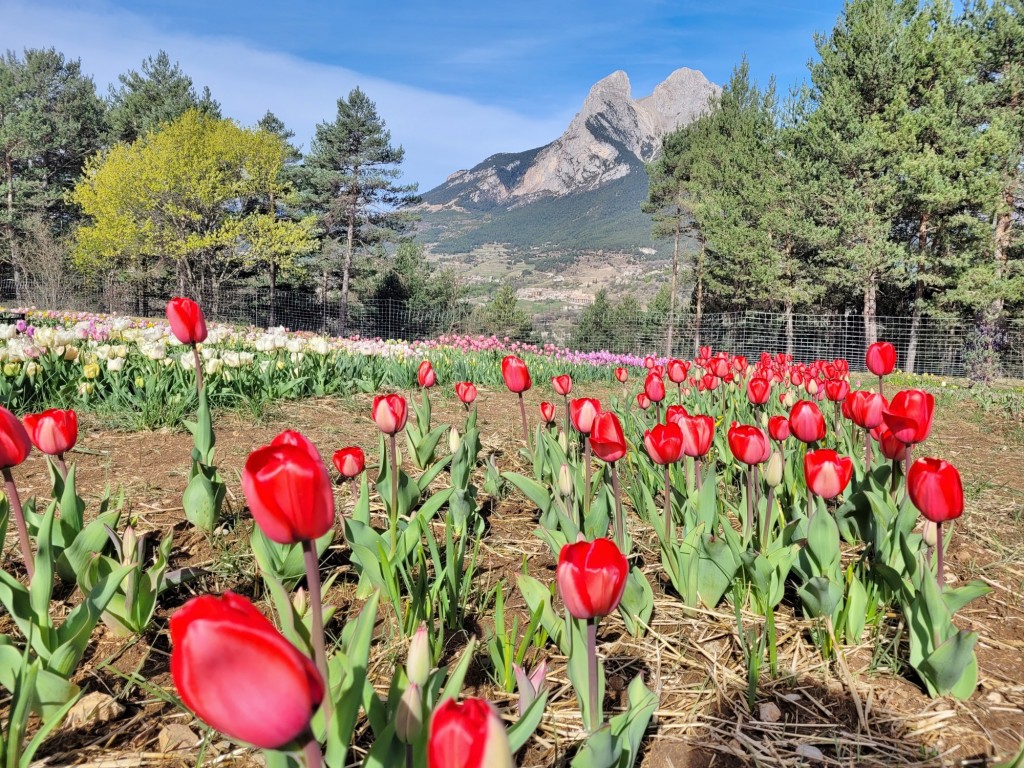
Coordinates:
<point>586,475</point>
<point>679,392</point>
<point>314,758</point>
<point>768,513</point>
<point>317,634</point>
<point>565,426</point>
<point>748,529</point>
<point>906,471</point>
<point>62,466</point>
<point>867,451</point>
<point>696,473</point>
<point>881,386</point>
<point>394,493</point>
<point>939,576</point>
<point>526,428</point>
<point>620,524</point>
<point>668,507</point>
<point>657,411</point>
<point>199,369</point>
<point>19,522</point>
<point>595,702</point>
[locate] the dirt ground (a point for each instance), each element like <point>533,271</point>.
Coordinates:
<point>807,716</point>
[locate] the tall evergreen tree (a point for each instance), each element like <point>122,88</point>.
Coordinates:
<point>997,278</point>
<point>942,168</point>
<point>51,120</point>
<point>159,94</point>
<point>859,92</point>
<point>350,180</point>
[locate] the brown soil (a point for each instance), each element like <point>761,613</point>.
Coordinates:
<point>693,661</point>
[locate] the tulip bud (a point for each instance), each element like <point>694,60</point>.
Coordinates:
<point>129,545</point>
<point>417,663</point>
<point>788,399</point>
<point>773,469</point>
<point>930,533</point>
<point>300,602</point>
<point>563,442</point>
<point>565,483</point>
<point>454,441</point>
<point>409,717</point>
<point>764,420</point>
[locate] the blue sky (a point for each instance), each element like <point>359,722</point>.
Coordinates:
<point>454,81</point>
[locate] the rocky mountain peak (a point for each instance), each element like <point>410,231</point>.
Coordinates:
<point>612,136</point>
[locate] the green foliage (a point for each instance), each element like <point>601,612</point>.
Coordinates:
<point>349,182</point>
<point>51,120</point>
<point>503,317</point>
<point>150,99</point>
<point>169,200</point>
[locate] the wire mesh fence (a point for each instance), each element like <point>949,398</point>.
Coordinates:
<point>941,346</point>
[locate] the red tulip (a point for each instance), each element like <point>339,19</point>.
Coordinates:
<point>827,473</point>
<point>467,735</point>
<point>582,412</point>
<point>547,412</point>
<point>425,375</point>
<point>606,438</point>
<point>936,489</point>
<point>866,408</point>
<point>390,413</point>
<point>187,321</point>
<point>54,432</point>
<point>891,448</point>
<point>288,490</point>
<point>239,674</point>
<point>709,382</point>
<point>674,413</point>
<point>654,387</point>
<point>15,445</point>
<point>649,362</point>
<point>466,390</point>
<point>778,428</point>
<point>698,432</point>
<point>749,444</point>
<point>677,370</point>
<point>622,375</point>
<point>516,374</point>
<point>664,443</point>
<point>909,415</point>
<point>643,401</point>
<point>881,358</point>
<point>562,384</point>
<point>806,422</point>
<point>591,577</point>
<point>350,461</point>
<point>836,390</point>
<point>758,390</point>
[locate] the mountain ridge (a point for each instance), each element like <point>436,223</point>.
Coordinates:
<point>594,171</point>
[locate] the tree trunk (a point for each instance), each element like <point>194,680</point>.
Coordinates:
<point>675,274</point>
<point>698,312</point>
<point>323,298</point>
<point>347,267</point>
<point>789,326</point>
<point>272,313</point>
<point>870,307</point>
<point>1001,238</point>
<point>12,242</point>
<point>915,318</point>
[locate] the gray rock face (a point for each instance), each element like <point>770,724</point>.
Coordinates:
<point>612,136</point>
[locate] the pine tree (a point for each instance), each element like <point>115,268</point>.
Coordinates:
<point>350,183</point>
<point>51,120</point>
<point>997,278</point>
<point>158,95</point>
<point>859,91</point>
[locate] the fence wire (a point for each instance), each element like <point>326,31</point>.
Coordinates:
<point>944,347</point>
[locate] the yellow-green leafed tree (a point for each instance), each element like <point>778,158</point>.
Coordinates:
<point>176,201</point>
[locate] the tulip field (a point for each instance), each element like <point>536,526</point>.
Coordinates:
<point>242,547</point>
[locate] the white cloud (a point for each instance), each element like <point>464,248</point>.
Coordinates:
<point>440,133</point>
